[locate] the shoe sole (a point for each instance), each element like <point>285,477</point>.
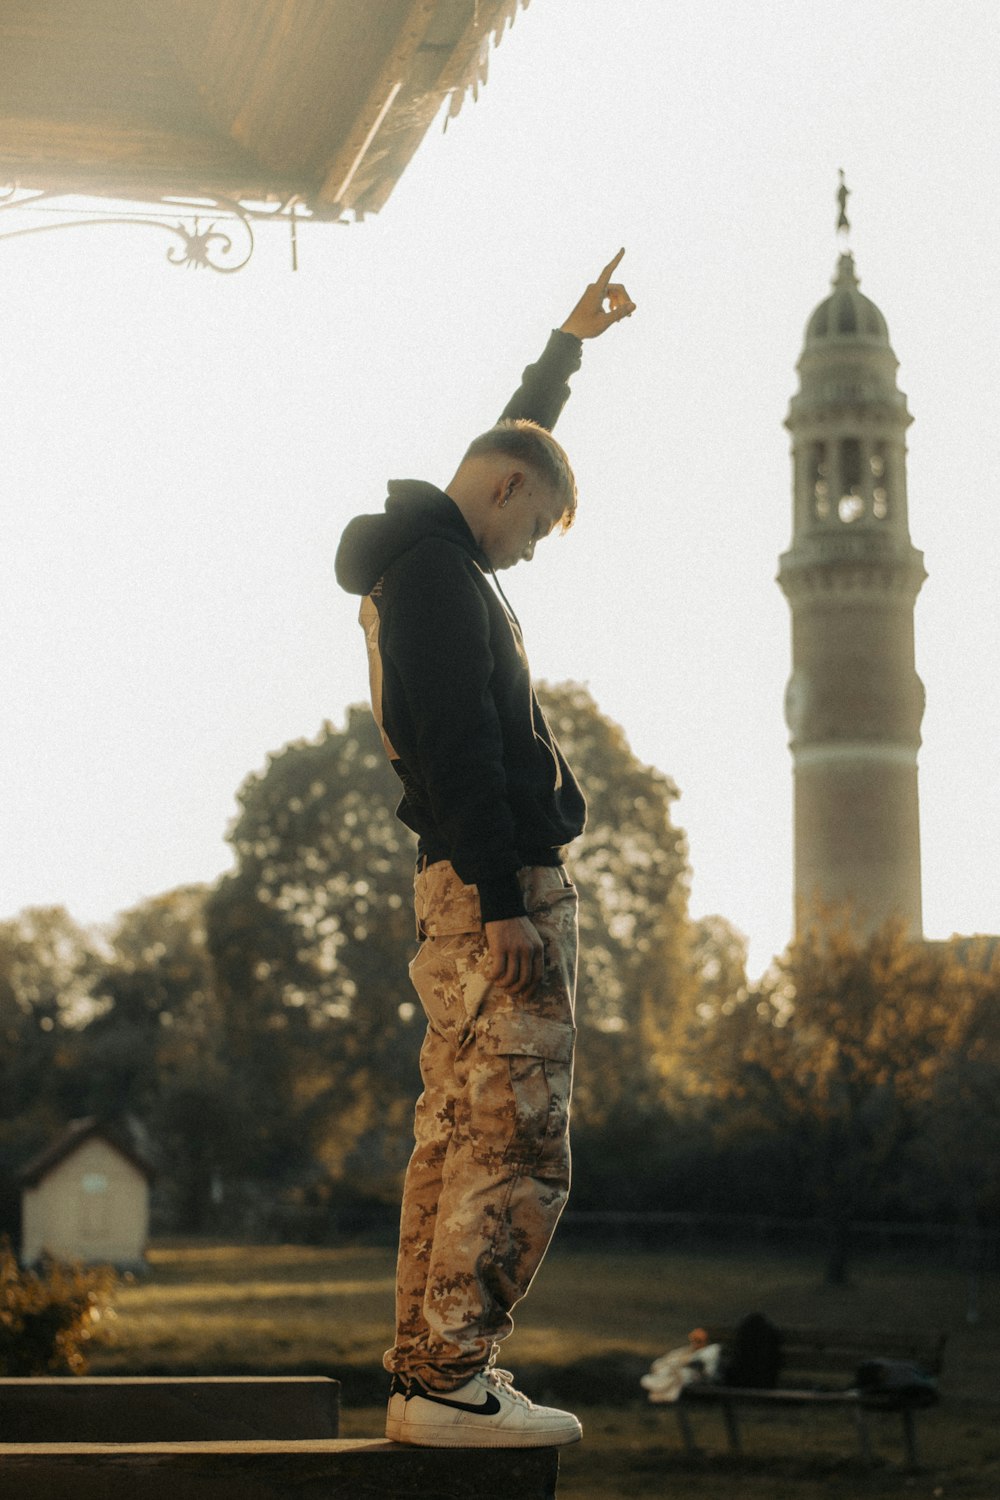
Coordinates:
<point>469,1437</point>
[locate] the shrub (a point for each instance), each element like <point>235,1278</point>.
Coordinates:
<point>49,1316</point>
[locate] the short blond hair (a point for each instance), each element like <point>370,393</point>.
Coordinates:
<point>535,447</point>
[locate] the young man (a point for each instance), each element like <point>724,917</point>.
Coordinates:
<point>493,803</point>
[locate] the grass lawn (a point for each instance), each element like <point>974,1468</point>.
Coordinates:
<point>594,1320</point>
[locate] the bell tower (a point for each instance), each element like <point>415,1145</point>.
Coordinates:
<point>854,702</point>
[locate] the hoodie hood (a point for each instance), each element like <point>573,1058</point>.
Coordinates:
<point>414,511</point>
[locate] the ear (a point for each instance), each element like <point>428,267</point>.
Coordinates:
<point>510,483</point>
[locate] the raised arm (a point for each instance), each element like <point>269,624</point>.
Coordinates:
<point>544,388</point>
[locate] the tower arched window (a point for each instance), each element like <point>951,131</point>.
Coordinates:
<point>851,505</point>
<point>879,465</point>
<point>819,480</point>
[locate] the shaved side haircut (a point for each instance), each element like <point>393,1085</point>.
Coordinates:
<point>529,444</point>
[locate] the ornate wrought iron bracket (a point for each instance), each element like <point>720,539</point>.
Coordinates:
<point>214,233</point>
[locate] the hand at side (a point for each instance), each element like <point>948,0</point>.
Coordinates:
<point>517,953</point>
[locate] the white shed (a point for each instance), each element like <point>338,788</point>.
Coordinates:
<point>86,1197</point>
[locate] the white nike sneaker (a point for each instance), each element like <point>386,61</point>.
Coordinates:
<point>485,1412</point>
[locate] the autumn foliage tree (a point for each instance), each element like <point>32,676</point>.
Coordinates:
<point>963,1120</point>
<point>631,867</point>
<point>837,1059</point>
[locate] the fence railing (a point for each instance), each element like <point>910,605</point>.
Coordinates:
<point>965,1246</point>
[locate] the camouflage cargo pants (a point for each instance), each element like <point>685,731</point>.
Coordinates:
<point>489,1174</point>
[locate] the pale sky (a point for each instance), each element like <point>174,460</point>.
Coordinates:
<point>182,450</point>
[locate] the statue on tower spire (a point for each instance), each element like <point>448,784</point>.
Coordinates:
<point>843,222</point>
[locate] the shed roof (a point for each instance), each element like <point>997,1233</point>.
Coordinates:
<point>125,1135</point>
<point>322,102</point>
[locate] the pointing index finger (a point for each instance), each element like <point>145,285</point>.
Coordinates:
<point>609,269</point>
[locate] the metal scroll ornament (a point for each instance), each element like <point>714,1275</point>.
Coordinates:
<point>215,235</point>
<point>211,248</point>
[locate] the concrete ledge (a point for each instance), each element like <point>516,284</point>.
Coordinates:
<point>339,1469</point>
<point>108,1409</point>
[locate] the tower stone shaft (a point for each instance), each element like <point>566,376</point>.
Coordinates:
<point>854,702</point>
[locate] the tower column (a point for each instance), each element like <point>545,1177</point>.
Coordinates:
<point>854,702</point>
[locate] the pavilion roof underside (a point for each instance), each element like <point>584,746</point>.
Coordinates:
<point>323,101</point>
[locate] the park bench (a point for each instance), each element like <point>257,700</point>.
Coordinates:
<point>819,1370</point>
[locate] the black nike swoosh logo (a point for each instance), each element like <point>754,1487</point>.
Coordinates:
<point>488,1408</point>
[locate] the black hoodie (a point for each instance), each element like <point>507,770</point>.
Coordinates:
<point>484,782</point>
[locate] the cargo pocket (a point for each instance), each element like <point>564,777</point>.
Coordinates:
<point>444,905</point>
<point>519,1089</point>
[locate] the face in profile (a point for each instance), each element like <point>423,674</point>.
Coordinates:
<point>531,511</point>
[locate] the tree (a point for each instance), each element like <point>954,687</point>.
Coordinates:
<point>310,937</point>
<point>47,965</point>
<point>956,1169</point>
<point>152,984</point>
<point>835,1059</point>
<point>157,1049</point>
<point>717,986</point>
<point>631,868</point>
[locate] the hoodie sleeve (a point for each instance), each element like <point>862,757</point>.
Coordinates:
<point>544,388</point>
<point>436,642</point>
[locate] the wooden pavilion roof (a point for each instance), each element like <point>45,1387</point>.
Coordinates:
<point>320,102</point>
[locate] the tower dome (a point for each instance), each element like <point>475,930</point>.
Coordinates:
<point>847,315</point>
